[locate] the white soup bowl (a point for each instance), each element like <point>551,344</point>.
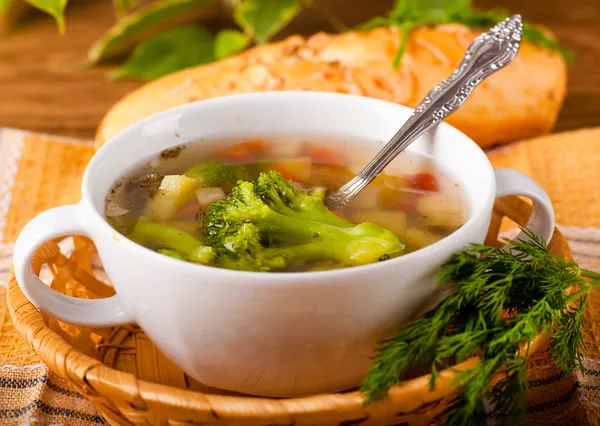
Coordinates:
<point>272,334</point>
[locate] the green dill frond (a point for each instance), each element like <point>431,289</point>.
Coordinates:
<point>568,345</point>
<point>507,400</point>
<point>500,299</point>
<point>414,346</point>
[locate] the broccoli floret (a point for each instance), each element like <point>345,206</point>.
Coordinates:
<point>171,242</point>
<point>280,195</point>
<point>214,173</point>
<point>242,250</point>
<point>290,226</point>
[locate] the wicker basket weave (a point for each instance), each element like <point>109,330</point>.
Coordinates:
<point>132,383</point>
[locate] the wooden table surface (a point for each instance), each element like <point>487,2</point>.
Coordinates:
<point>34,97</point>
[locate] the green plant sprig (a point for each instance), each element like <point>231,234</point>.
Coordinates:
<point>500,299</point>
<point>164,36</point>
<point>411,14</point>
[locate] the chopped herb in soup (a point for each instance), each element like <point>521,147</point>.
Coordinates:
<point>256,207</point>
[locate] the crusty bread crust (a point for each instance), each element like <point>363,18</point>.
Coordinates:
<point>520,101</point>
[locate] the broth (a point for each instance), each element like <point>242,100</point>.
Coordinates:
<point>413,198</point>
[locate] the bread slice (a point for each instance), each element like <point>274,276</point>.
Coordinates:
<point>520,101</point>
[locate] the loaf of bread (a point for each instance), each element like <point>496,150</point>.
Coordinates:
<point>520,101</point>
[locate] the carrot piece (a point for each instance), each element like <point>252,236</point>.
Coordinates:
<point>236,153</point>
<point>322,155</point>
<point>296,169</point>
<point>283,172</point>
<point>188,210</point>
<point>244,151</point>
<point>256,147</point>
<point>405,207</point>
<point>423,181</point>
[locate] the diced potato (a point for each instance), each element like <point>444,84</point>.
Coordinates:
<point>394,181</point>
<point>417,238</point>
<point>441,210</point>
<point>368,198</point>
<point>330,177</point>
<point>207,196</point>
<point>389,198</point>
<point>297,169</point>
<point>174,191</point>
<point>285,148</point>
<point>429,204</point>
<point>390,220</point>
<point>357,168</point>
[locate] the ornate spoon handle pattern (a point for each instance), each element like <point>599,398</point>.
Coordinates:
<point>488,53</point>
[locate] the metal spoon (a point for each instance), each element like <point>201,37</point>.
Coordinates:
<point>488,53</point>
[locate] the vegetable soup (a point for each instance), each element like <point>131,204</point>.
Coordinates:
<point>259,205</point>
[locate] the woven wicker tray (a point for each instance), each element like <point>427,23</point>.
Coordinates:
<point>132,383</point>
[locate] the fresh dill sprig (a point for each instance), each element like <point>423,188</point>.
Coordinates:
<point>500,299</point>
<point>411,14</point>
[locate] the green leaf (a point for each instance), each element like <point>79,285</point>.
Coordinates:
<point>411,14</point>
<point>122,7</point>
<point>146,22</point>
<point>431,11</point>
<point>539,37</point>
<point>167,52</point>
<point>55,8</point>
<point>262,19</point>
<point>230,42</point>
<point>440,8</point>
<point>378,21</point>
<point>405,30</point>
<point>4,6</point>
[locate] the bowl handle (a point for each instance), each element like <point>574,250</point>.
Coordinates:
<point>541,220</point>
<point>54,223</point>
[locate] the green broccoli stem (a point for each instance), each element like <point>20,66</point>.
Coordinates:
<point>359,244</point>
<point>309,252</point>
<point>152,234</point>
<point>291,229</point>
<point>319,252</point>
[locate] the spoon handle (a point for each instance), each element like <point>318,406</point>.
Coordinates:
<point>488,53</point>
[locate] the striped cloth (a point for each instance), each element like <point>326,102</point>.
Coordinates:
<point>38,172</point>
